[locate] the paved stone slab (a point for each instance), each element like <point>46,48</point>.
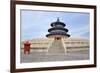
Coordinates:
<point>44,57</point>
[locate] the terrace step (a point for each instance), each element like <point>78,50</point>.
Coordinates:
<point>56,47</point>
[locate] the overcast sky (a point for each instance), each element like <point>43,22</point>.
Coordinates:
<point>35,24</point>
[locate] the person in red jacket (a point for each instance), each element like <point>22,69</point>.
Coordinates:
<point>27,47</point>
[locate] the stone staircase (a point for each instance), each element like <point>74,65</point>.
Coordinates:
<point>56,47</point>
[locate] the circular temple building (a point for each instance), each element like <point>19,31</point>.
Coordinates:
<point>57,31</point>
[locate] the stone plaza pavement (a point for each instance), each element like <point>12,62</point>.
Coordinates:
<point>45,57</point>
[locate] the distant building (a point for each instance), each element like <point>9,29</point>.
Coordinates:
<point>58,41</point>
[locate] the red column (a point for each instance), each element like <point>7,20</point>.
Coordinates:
<point>27,47</point>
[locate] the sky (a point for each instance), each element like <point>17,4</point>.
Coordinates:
<point>35,24</point>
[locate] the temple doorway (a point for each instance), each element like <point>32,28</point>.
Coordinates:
<point>57,38</point>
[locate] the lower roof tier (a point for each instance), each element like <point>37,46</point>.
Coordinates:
<point>63,34</point>
<point>64,29</point>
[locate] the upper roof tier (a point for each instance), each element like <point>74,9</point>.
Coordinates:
<point>58,23</point>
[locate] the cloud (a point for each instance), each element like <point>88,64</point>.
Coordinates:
<point>80,31</point>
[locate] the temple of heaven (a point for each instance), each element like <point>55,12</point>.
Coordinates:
<point>58,46</point>
<point>58,30</point>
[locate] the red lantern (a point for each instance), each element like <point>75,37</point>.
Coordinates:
<point>27,47</point>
